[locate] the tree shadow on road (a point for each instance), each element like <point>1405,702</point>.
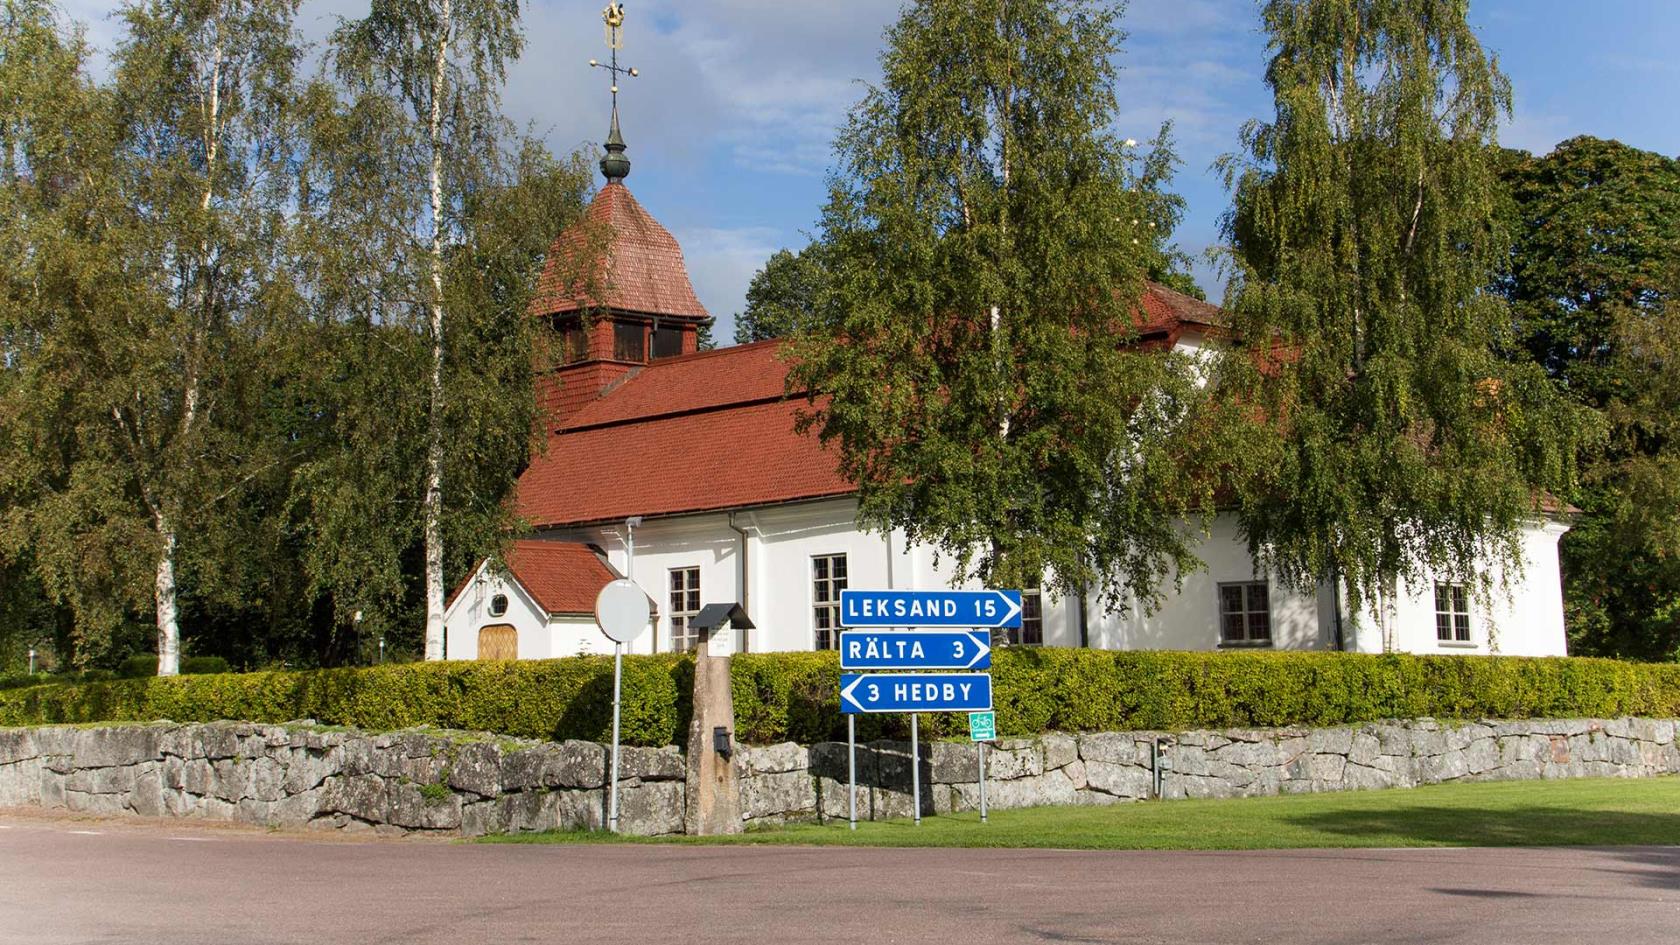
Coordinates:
<point>1520,826</point>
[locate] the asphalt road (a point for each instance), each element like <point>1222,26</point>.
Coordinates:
<point>103,881</point>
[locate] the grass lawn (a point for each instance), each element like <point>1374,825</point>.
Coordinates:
<point>1583,812</point>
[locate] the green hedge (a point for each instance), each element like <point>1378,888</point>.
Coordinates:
<point>145,664</point>
<point>795,696</point>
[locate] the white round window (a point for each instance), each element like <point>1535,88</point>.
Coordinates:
<point>498,605</point>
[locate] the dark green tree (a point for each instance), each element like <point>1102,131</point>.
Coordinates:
<point>781,298</point>
<point>969,361</point>
<point>1592,281</point>
<point>1622,560</point>
<point>1396,439</point>
<point>1596,232</point>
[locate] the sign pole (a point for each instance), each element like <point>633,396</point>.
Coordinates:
<point>982,782</point>
<point>915,770</point>
<point>622,611</point>
<point>618,674</point>
<point>851,769</point>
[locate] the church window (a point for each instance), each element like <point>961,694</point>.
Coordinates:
<point>1031,630</point>
<point>574,344</point>
<point>1245,614</point>
<point>828,579</point>
<point>667,341</point>
<point>685,603</point>
<point>629,342</point>
<point>1452,613</point>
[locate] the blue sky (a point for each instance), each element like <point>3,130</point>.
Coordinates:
<point>730,123</point>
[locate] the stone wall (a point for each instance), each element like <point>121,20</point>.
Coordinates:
<point>302,775</point>
<point>788,782</point>
<point>305,776</point>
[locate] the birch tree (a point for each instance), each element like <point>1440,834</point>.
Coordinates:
<point>445,61</point>
<point>147,237</point>
<point>1398,438</point>
<point>984,263</point>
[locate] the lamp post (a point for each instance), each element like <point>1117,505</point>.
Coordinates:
<point>31,661</point>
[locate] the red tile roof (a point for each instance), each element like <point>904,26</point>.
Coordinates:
<point>712,431</point>
<point>1168,311</point>
<point>710,379</point>
<point>722,457</point>
<point>562,576</point>
<point>643,271</point>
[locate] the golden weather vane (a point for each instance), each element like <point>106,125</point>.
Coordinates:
<point>614,165</point>
<point>613,17</point>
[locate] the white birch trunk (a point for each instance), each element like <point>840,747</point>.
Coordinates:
<point>433,510</point>
<point>168,614</point>
<point>164,594</point>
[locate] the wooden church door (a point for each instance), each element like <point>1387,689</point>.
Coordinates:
<point>498,641</point>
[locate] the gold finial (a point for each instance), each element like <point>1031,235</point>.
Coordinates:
<point>613,16</point>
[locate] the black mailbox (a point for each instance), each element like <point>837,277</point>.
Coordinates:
<point>720,741</point>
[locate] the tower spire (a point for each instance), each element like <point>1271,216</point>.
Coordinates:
<point>614,166</point>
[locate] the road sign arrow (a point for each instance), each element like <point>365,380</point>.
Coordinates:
<point>982,648</point>
<point>846,695</point>
<point>1012,609</point>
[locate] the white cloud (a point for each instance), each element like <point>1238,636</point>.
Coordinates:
<point>722,261</point>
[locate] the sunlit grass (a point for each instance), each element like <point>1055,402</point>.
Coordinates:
<point>1584,812</point>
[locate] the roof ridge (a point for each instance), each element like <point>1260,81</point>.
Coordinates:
<point>682,412</point>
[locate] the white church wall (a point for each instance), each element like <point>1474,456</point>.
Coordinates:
<point>1189,618</point>
<point>782,541</point>
<point>471,611</point>
<point>1525,619</point>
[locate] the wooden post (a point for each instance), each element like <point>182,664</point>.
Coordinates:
<point>713,795</point>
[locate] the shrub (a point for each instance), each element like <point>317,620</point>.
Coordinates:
<point>145,664</point>
<point>795,696</point>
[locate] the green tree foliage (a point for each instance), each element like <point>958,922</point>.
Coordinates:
<point>147,214</point>
<point>1592,280</point>
<point>982,278</point>
<point>782,297</point>
<point>1622,560</point>
<point>1161,211</point>
<point>1596,236</point>
<point>442,62</point>
<point>1396,441</point>
<point>215,307</point>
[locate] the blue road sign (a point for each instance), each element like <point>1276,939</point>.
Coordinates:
<point>930,608</point>
<point>916,649</point>
<point>915,692</point>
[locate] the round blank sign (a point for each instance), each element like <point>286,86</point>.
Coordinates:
<point>621,610</point>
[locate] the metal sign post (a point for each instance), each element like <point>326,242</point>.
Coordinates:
<point>915,770</point>
<point>851,769</point>
<point>622,612</point>
<point>982,728</point>
<point>618,678</point>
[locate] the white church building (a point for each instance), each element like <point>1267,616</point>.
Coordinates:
<point>732,504</point>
